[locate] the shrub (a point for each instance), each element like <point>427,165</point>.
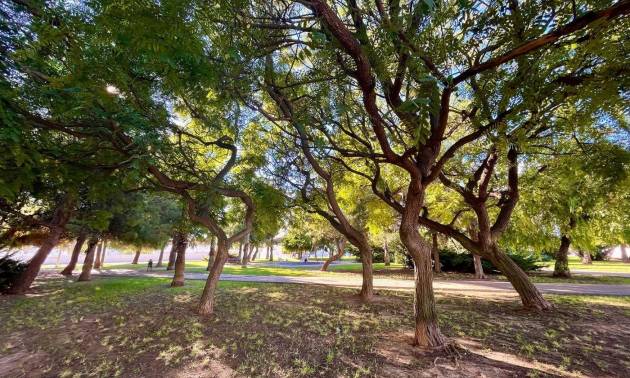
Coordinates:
<point>9,270</point>
<point>452,261</point>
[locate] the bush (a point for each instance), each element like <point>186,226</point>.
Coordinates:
<point>9,270</point>
<point>452,261</point>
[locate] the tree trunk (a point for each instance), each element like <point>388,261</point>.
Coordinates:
<point>247,248</point>
<point>271,252</point>
<point>586,258</point>
<point>240,251</point>
<point>341,245</point>
<point>97,260</point>
<point>67,271</point>
<point>427,332</point>
<point>255,254</point>
<point>136,257</point>
<point>561,269</point>
<point>624,254</point>
<point>86,271</point>
<point>103,253</point>
<point>211,254</point>
<point>173,254</point>
<point>530,296</point>
<point>161,258</point>
<point>386,257</point>
<point>479,274</point>
<point>435,252</point>
<point>367,286</point>
<point>23,282</point>
<point>206,303</point>
<point>58,223</point>
<point>180,261</point>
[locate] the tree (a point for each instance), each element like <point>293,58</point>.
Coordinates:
<point>380,51</point>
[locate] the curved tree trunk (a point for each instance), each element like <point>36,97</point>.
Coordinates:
<point>386,257</point>
<point>427,332</point>
<point>103,253</point>
<point>67,271</point>
<point>528,292</point>
<point>479,274</point>
<point>586,258</point>
<point>136,257</point>
<point>341,245</point>
<point>23,281</point>
<point>561,269</point>
<point>97,260</point>
<point>173,254</point>
<point>435,252</point>
<point>58,223</point>
<point>161,257</point>
<point>88,263</point>
<point>206,303</point>
<point>255,254</point>
<point>211,254</point>
<point>180,261</point>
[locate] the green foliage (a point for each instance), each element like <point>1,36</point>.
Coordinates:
<point>9,270</point>
<point>453,261</point>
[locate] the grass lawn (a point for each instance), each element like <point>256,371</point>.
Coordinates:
<point>597,266</point>
<point>252,269</point>
<point>141,327</point>
<point>395,271</point>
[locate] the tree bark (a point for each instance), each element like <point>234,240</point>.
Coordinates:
<point>367,286</point>
<point>136,257</point>
<point>427,332</point>
<point>561,269</point>
<point>240,251</point>
<point>474,235</point>
<point>206,303</point>
<point>255,254</point>
<point>624,254</point>
<point>97,260</point>
<point>586,258</point>
<point>271,251</point>
<point>531,297</point>
<point>211,254</point>
<point>435,252</point>
<point>173,254</point>
<point>76,251</point>
<point>58,223</point>
<point>86,271</point>
<point>341,245</point>
<point>247,252</point>
<point>161,258</point>
<point>180,261</point>
<point>103,253</point>
<point>386,257</point>
<point>479,274</point>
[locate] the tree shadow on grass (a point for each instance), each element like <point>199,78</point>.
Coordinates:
<point>141,327</point>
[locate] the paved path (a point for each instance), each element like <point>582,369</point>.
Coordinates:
<point>592,273</point>
<point>473,287</point>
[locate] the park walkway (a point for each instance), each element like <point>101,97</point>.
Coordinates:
<point>472,287</point>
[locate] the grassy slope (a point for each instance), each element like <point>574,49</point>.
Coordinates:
<point>141,327</point>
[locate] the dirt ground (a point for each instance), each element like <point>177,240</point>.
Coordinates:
<point>134,327</point>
